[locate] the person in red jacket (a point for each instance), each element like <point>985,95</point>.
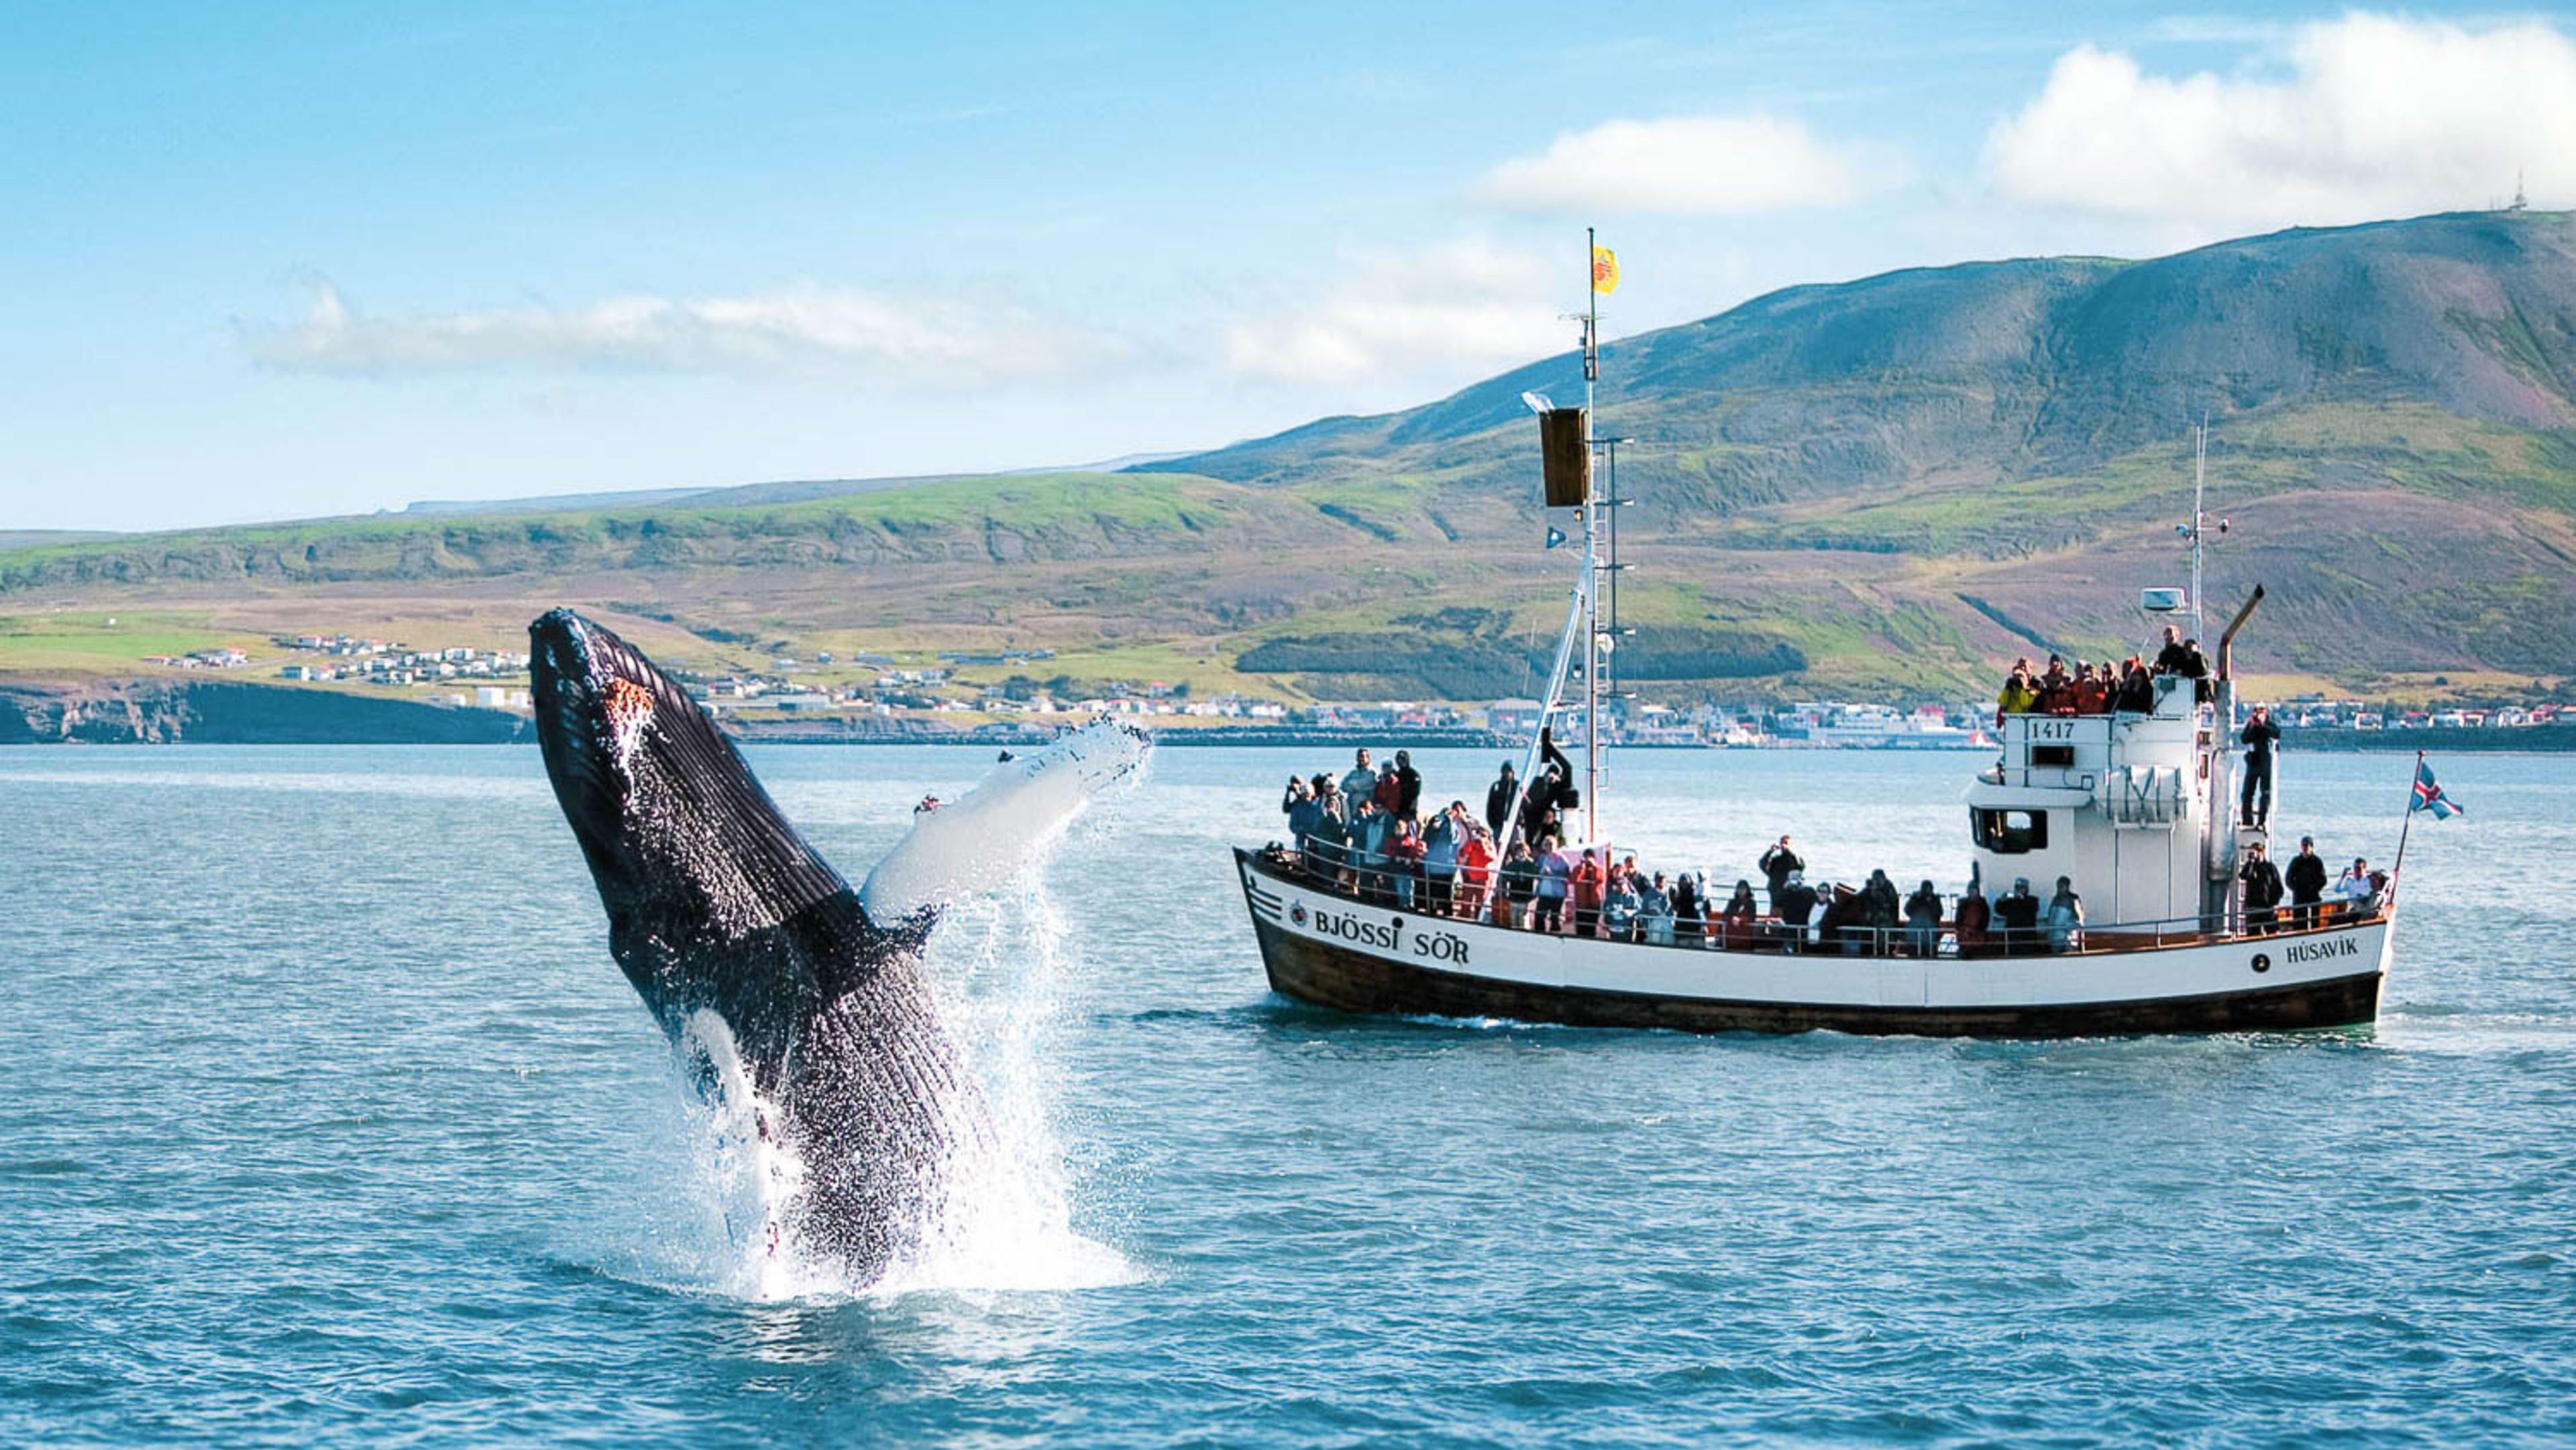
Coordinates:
<point>1732,924</point>
<point>1972,921</point>
<point>2056,689</point>
<point>1475,872</point>
<point>1587,880</point>
<point>2092,690</point>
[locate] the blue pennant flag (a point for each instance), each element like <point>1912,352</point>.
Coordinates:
<point>1555,536</point>
<point>2429,797</point>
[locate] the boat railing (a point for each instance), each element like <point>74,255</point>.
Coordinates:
<point>1380,879</point>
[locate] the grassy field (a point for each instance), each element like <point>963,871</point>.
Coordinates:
<point>87,642</point>
<point>2400,544</point>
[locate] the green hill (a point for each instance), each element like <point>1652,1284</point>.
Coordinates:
<point>1884,485</point>
<point>2021,369</point>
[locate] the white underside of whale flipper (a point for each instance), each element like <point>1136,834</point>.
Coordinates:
<point>982,839</point>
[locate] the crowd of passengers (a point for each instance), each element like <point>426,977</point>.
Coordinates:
<point>2128,687</point>
<point>1366,834</point>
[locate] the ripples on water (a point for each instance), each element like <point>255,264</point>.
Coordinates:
<point>333,1121</point>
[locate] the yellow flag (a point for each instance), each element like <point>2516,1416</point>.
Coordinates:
<point>1605,270</point>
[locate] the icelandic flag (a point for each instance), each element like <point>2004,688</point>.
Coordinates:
<point>1555,537</point>
<point>2429,797</point>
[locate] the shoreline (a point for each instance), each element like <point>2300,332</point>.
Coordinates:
<point>224,712</point>
<point>1287,740</point>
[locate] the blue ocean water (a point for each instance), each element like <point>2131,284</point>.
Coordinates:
<point>331,1122</point>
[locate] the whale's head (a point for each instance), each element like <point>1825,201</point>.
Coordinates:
<point>677,831</point>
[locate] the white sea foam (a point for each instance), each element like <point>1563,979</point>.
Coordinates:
<point>750,1173</point>
<point>1003,1217</point>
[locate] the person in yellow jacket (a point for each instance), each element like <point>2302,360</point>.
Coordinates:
<point>2019,695</point>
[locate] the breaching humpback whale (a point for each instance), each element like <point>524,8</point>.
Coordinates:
<point>718,909</point>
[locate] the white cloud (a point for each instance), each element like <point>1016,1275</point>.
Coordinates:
<point>1467,304</point>
<point>2376,117</point>
<point>839,332</point>
<point>1683,164</point>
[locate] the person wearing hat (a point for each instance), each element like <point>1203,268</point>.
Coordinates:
<point>1654,908</point>
<point>1923,921</point>
<point>1408,788</point>
<point>1974,912</point>
<point>1303,811</point>
<point>2307,881</point>
<point>2262,891</point>
<point>1328,844</point>
<point>2137,692</point>
<point>1793,901</point>
<point>2065,917</point>
<point>1880,908</point>
<point>1498,800</point>
<point>2018,912</point>
<point>2018,696</point>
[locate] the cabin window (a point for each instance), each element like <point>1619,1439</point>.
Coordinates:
<point>2010,833</point>
<point>2044,756</point>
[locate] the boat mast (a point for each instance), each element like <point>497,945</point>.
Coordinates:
<point>2199,479</point>
<point>1583,607</point>
<point>1552,700</point>
<point>1591,558</point>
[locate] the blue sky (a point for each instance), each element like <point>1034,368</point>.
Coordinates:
<point>274,260</point>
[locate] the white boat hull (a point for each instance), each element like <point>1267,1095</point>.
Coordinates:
<point>1322,947</point>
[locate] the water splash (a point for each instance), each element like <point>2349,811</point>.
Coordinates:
<point>1002,1220</point>
<point>750,1172</point>
<point>1005,1216</point>
<point>1000,965</point>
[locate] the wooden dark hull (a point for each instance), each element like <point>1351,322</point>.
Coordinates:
<point>1352,978</point>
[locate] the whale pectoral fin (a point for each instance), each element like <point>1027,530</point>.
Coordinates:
<point>983,839</point>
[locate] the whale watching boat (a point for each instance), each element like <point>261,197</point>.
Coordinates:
<point>2138,807</point>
